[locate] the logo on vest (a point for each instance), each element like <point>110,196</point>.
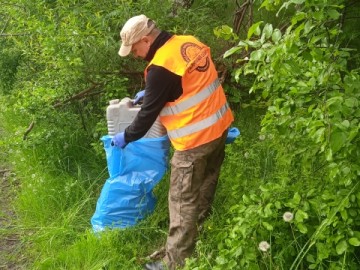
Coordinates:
<point>196,57</point>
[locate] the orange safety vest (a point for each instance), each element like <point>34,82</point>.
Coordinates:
<point>201,114</point>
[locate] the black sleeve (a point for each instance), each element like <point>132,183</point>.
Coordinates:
<point>161,87</point>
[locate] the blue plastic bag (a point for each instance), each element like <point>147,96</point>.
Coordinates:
<point>126,197</point>
<point>113,155</point>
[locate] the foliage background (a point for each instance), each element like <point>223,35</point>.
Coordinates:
<point>296,100</point>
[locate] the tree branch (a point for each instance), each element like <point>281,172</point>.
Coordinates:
<point>31,126</point>
<point>80,95</point>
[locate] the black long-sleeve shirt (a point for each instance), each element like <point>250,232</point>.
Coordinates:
<point>161,86</point>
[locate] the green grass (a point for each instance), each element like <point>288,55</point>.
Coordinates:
<point>55,202</point>
<point>57,189</point>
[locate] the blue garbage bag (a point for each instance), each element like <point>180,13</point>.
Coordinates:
<point>126,197</point>
<point>113,155</point>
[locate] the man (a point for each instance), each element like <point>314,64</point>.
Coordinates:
<point>183,89</point>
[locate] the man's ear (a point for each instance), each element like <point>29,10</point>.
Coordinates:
<point>146,39</point>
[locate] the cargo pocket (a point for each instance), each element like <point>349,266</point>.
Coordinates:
<point>181,178</point>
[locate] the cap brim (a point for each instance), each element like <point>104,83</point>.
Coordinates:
<point>124,50</point>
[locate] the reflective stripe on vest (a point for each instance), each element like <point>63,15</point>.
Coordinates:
<point>186,104</point>
<point>207,122</point>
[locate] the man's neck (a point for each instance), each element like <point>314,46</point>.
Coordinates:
<point>159,41</point>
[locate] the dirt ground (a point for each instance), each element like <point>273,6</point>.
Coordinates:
<point>10,244</point>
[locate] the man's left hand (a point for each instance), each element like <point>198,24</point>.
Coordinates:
<point>119,140</point>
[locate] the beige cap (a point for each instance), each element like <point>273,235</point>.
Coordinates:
<point>134,29</point>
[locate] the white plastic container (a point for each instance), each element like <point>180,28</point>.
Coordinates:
<point>157,130</point>
<point>120,114</point>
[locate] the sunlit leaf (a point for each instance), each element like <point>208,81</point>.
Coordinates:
<point>341,247</point>
<point>276,35</point>
<point>268,226</point>
<point>254,29</point>
<point>231,51</point>
<point>268,30</point>
<point>354,241</point>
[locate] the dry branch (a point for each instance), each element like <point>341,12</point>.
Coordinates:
<point>82,94</point>
<point>31,126</point>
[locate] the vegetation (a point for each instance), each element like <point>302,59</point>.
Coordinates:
<point>289,195</point>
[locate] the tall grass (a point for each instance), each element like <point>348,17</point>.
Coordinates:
<point>55,202</point>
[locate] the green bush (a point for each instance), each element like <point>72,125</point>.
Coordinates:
<point>312,127</point>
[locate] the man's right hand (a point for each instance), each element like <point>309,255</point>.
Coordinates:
<point>139,97</point>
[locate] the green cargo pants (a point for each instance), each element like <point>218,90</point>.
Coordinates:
<point>194,177</point>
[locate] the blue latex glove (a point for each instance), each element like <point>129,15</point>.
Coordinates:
<point>233,133</point>
<point>139,97</point>
<point>119,140</point>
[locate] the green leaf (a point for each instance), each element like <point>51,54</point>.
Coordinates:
<point>257,55</point>
<point>297,2</point>
<point>225,32</point>
<point>254,29</point>
<point>221,260</point>
<point>344,214</point>
<point>333,14</point>
<point>268,226</point>
<point>268,30</point>
<point>255,44</point>
<point>267,210</point>
<point>302,228</point>
<point>354,241</point>
<point>334,100</point>
<point>329,154</point>
<point>298,30</point>
<point>298,17</point>
<point>301,215</point>
<point>345,123</point>
<point>351,102</point>
<point>310,258</point>
<point>278,205</point>
<point>276,36</point>
<point>246,199</point>
<point>319,135</point>
<point>231,51</point>
<point>341,247</point>
<point>337,140</point>
<point>297,198</point>
<point>322,251</point>
<point>307,27</point>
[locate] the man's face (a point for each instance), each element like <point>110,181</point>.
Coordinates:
<point>141,48</point>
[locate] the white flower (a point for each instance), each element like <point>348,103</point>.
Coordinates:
<point>246,58</point>
<point>288,216</point>
<point>246,155</point>
<point>262,137</point>
<point>264,246</point>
